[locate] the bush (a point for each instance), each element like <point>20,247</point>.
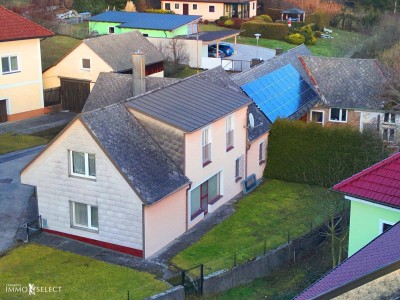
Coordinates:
<point>320,20</point>
<point>258,18</point>
<point>223,18</point>
<point>308,34</point>
<point>317,34</point>
<point>229,23</point>
<point>159,11</point>
<point>295,39</point>
<point>266,18</point>
<point>205,22</point>
<point>310,153</point>
<point>267,30</point>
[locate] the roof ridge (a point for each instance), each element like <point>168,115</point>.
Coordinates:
<point>366,171</point>
<point>342,58</point>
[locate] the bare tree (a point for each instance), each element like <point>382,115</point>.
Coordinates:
<point>175,51</point>
<point>391,59</point>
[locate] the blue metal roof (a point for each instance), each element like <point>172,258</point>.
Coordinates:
<point>145,20</point>
<point>280,93</point>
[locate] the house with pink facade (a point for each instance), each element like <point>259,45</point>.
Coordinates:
<point>148,159</point>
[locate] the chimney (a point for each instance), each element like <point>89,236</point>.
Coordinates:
<point>138,73</point>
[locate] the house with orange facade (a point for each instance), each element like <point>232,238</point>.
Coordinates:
<point>21,86</point>
<point>137,169</point>
<point>214,9</point>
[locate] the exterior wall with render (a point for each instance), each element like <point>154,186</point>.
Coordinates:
<point>119,208</point>
<point>164,221</point>
<point>71,67</point>
<point>222,161</point>
<point>253,163</point>
<point>23,90</point>
<point>365,222</point>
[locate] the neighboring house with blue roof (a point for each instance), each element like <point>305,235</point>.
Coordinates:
<point>132,173</point>
<point>371,273</point>
<point>149,24</point>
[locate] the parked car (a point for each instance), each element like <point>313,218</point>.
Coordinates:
<point>212,52</point>
<point>226,48</point>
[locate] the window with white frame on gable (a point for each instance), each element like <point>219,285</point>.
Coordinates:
<point>84,216</point>
<point>338,115</point>
<point>239,168</point>
<point>206,193</point>
<point>262,150</point>
<point>389,118</point>
<point>388,134</point>
<point>206,146</point>
<point>176,5</point>
<point>317,116</point>
<point>230,133</point>
<point>82,164</point>
<point>167,6</point>
<point>9,64</point>
<point>86,63</point>
<point>211,8</point>
<point>194,6</point>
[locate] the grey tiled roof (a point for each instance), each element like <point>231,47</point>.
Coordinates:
<point>117,49</point>
<point>382,251</point>
<point>348,82</point>
<point>191,103</point>
<point>220,77</point>
<point>113,88</point>
<point>149,170</point>
<point>261,123</point>
<point>288,57</point>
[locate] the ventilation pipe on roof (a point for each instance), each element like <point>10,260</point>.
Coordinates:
<point>138,73</point>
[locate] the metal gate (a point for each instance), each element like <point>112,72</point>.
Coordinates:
<point>192,281</point>
<point>33,228</point>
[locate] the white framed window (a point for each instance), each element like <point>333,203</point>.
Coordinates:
<point>111,29</point>
<point>230,133</point>
<point>389,118</point>
<point>176,5</point>
<point>317,116</point>
<point>388,134</point>
<point>206,145</point>
<point>82,164</point>
<point>338,115</point>
<point>167,6</point>
<point>10,64</point>
<point>86,64</point>
<point>384,225</point>
<point>262,152</point>
<point>211,8</point>
<point>239,168</point>
<point>84,216</point>
<point>194,6</point>
<point>254,5</point>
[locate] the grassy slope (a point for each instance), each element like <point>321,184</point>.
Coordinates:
<point>267,214</point>
<point>10,142</point>
<point>80,277</point>
<point>56,47</point>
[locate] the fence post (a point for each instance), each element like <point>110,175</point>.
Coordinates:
<point>234,260</point>
<point>27,232</point>
<point>288,237</point>
<point>183,278</point>
<point>201,279</point>
<point>265,247</point>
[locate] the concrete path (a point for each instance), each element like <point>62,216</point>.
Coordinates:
<point>16,204</point>
<point>248,52</point>
<point>37,124</point>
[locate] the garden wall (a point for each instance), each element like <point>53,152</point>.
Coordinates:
<point>176,293</point>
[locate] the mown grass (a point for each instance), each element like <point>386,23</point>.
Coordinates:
<point>79,277</point>
<point>56,47</point>
<point>267,215</point>
<point>10,142</point>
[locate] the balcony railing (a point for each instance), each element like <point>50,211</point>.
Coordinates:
<point>229,140</point>
<point>206,154</point>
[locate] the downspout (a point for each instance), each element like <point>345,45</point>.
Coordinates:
<point>143,232</point>
<point>187,206</point>
<point>248,145</point>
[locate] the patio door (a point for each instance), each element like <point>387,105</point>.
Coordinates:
<point>3,111</point>
<point>204,197</point>
<point>185,8</point>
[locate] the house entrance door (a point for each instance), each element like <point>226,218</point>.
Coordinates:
<point>185,8</point>
<point>3,111</point>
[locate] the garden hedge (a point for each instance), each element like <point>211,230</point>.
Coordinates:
<point>274,31</point>
<point>312,154</point>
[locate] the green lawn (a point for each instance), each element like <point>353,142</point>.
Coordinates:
<point>210,27</point>
<point>265,215</point>
<point>185,72</point>
<point>80,277</point>
<point>56,47</point>
<point>10,142</point>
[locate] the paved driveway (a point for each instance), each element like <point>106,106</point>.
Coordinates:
<point>247,52</point>
<point>16,204</point>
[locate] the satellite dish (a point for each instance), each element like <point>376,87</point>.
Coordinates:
<point>251,120</point>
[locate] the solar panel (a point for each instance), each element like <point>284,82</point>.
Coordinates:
<point>280,93</point>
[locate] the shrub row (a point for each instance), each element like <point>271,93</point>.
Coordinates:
<point>274,31</point>
<point>235,23</point>
<point>312,154</point>
<point>159,11</point>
